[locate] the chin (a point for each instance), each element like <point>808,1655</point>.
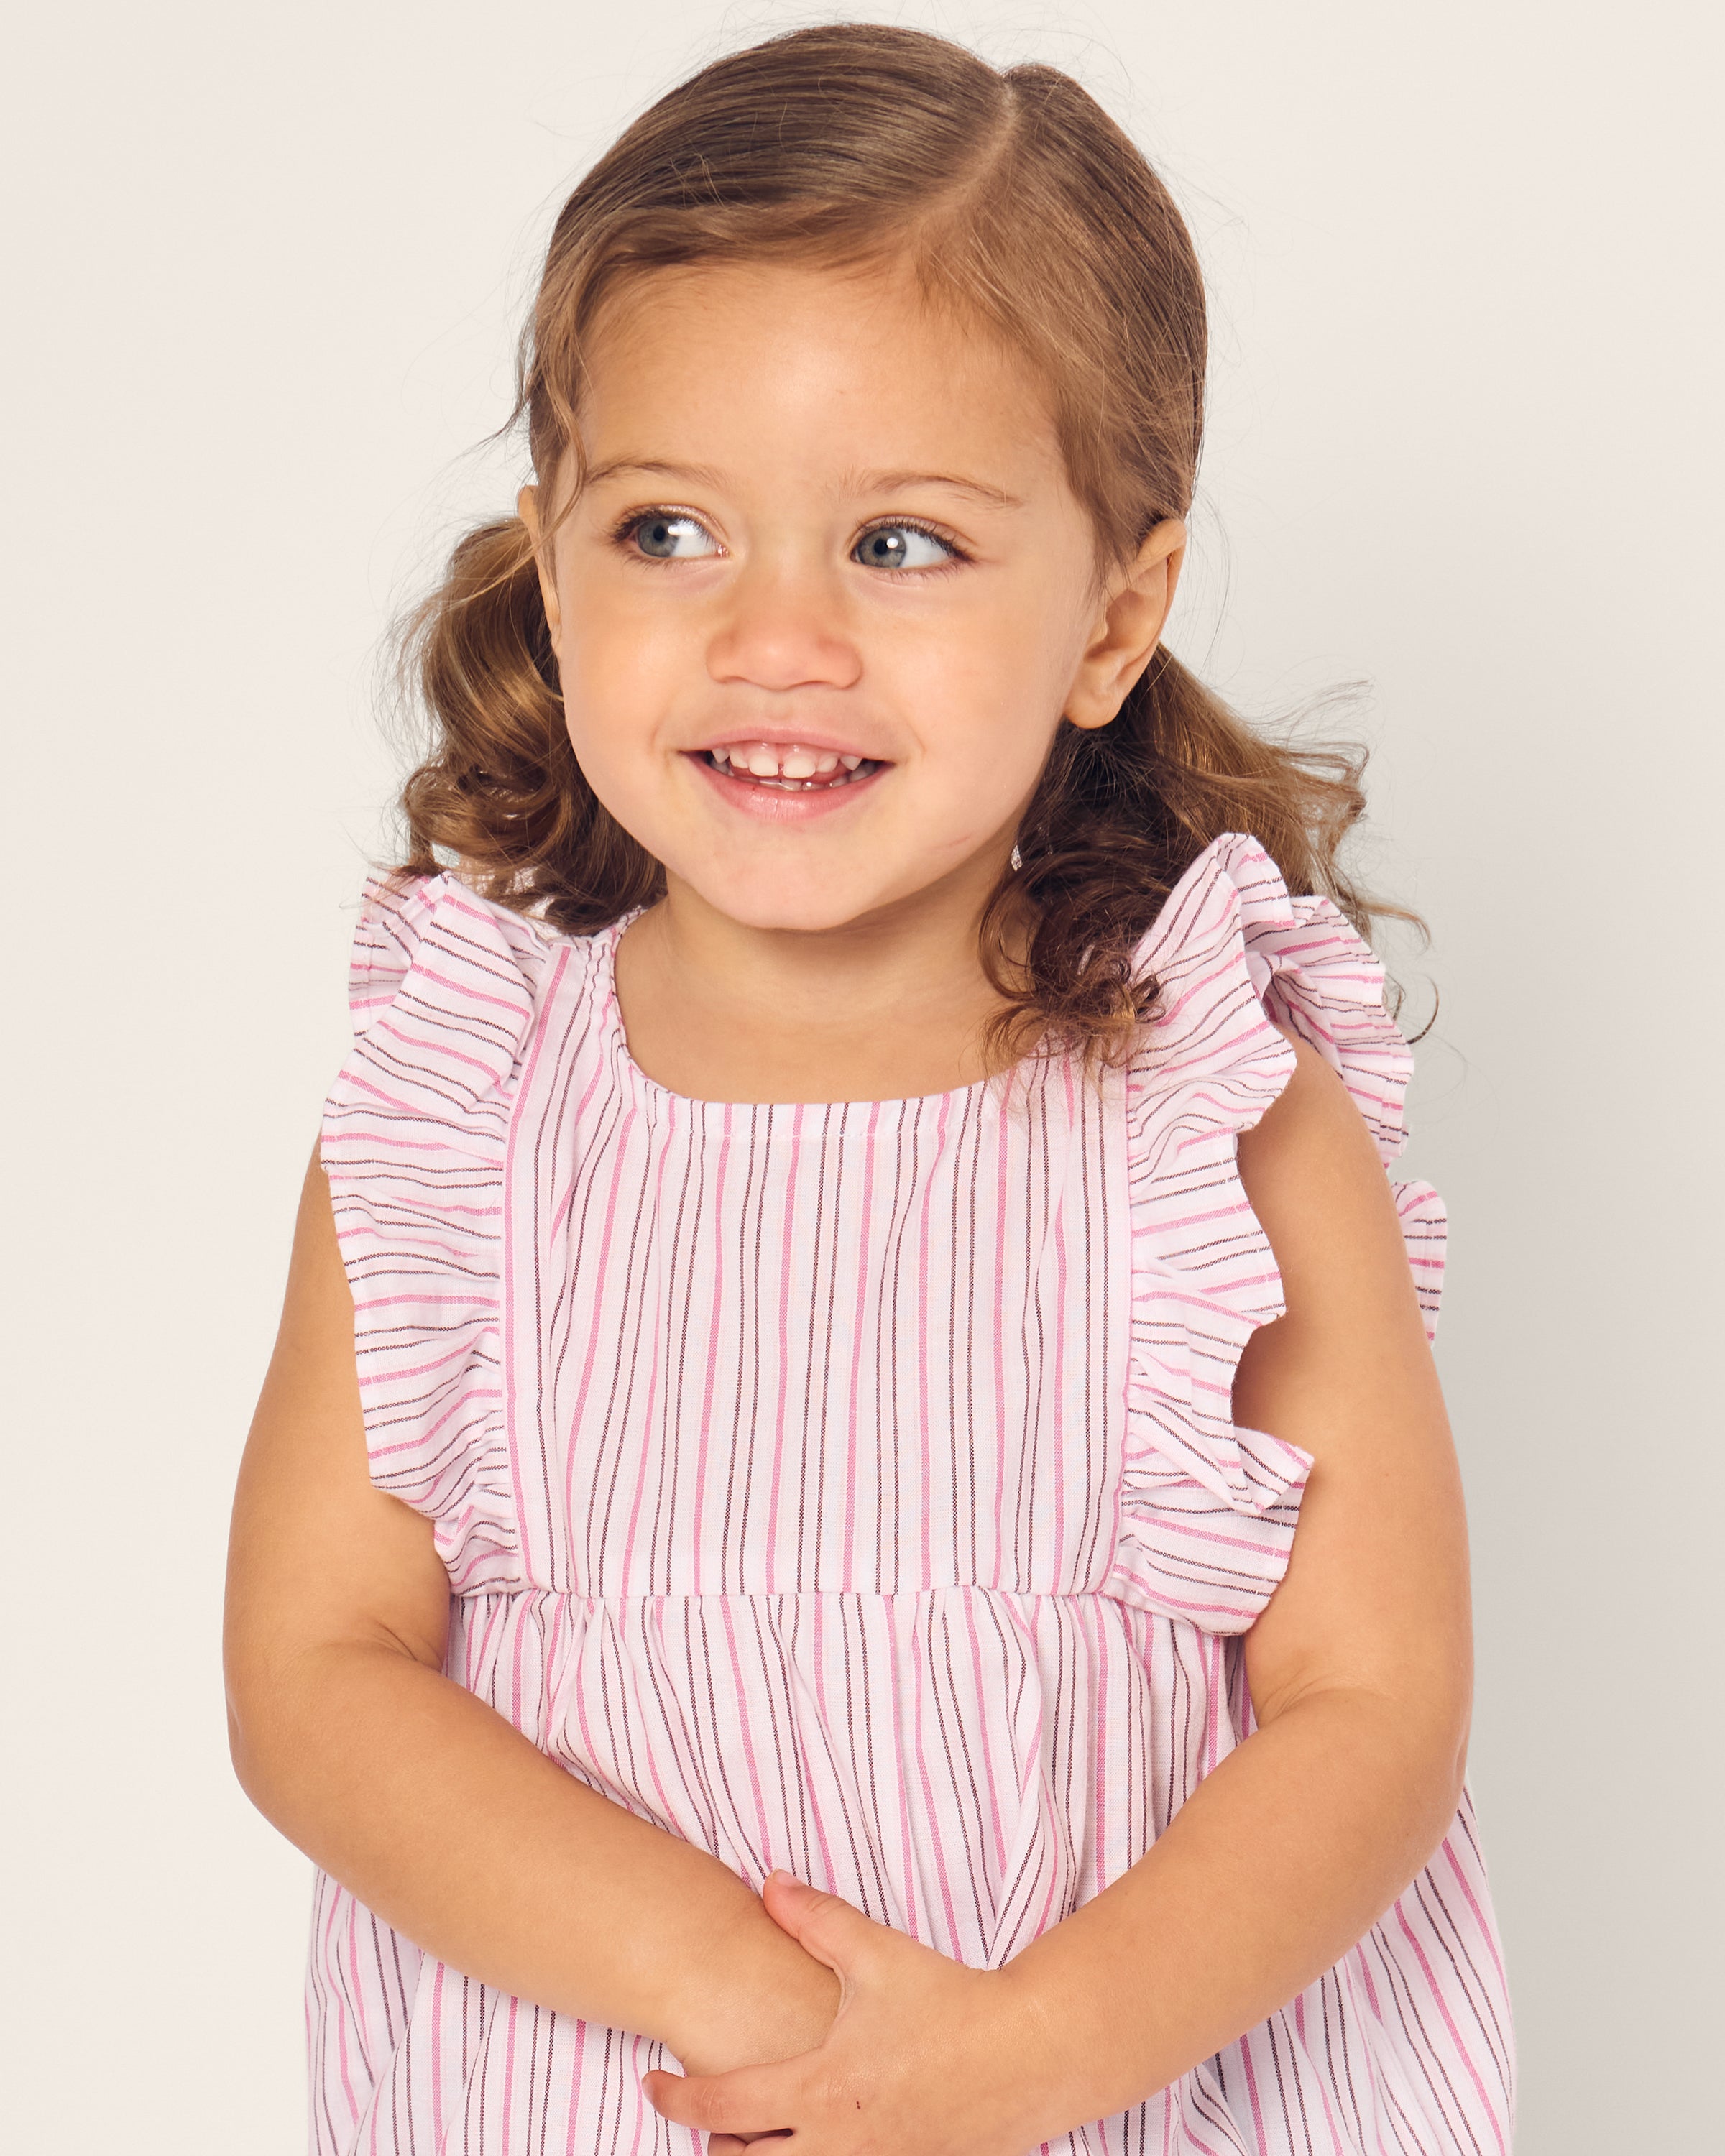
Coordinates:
<point>803,907</point>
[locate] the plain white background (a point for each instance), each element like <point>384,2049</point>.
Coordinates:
<point>265,266</point>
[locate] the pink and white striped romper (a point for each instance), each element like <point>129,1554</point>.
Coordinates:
<point>854,1488</point>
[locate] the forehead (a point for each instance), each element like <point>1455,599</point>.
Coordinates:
<point>753,365</point>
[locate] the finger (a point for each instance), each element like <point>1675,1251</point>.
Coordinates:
<point>827,1925</point>
<point>752,2100</point>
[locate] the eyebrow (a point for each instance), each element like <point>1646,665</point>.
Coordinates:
<point>872,482</point>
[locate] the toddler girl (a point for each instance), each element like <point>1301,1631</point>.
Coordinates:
<point>766,1573</point>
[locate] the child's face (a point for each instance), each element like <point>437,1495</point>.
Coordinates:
<point>810,671</point>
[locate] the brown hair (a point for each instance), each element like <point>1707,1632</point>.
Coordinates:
<point>1015,199</point>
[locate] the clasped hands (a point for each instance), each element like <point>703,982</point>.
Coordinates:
<point>926,2056</point>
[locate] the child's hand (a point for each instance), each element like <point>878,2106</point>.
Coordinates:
<point>925,2057</point>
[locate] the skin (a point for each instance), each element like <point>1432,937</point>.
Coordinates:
<point>835,961</point>
<point>829,960</point>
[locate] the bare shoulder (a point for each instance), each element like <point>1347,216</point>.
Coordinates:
<point>1312,1118</point>
<point>1346,1372</point>
<point>1376,1591</point>
<point>1313,1176</point>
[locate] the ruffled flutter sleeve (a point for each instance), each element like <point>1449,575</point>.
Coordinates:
<point>1208,1507</point>
<point>415,1142</point>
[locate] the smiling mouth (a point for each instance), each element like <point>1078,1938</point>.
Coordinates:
<point>793,769</point>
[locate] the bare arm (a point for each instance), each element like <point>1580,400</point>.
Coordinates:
<point>431,1808</point>
<point>1360,1667</point>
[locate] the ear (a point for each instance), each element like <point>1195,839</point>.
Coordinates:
<point>527,507</point>
<point>1128,627</point>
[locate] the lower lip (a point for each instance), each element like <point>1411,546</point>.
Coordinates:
<point>776,804</point>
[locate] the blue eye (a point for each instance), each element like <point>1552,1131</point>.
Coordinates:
<point>893,547</point>
<point>659,536</point>
<point>673,535</point>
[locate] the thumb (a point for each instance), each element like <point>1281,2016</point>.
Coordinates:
<point>827,1925</point>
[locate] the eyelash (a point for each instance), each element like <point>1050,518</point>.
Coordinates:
<point>625,525</point>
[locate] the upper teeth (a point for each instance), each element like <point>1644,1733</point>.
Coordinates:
<point>762,760</point>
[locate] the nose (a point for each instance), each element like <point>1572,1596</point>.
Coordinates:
<point>783,628</point>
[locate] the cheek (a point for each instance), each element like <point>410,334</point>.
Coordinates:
<point>988,694</point>
<point>979,782</point>
<point>620,673</point>
<point>1013,633</point>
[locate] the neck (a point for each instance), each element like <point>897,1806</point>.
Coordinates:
<point>889,1005</point>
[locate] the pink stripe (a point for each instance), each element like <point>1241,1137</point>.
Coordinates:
<point>511,1421</point>
<point>647,1460</point>
<point>462,993</point>
<point>1436,1992</point>
<point>852,1422</point>
<point>590,1354</point>
<point>704,1427</point>
<point>1251,2082</point>
<point>669,1377</point>
<point>438,1052</point>
<point>787,1231</point>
